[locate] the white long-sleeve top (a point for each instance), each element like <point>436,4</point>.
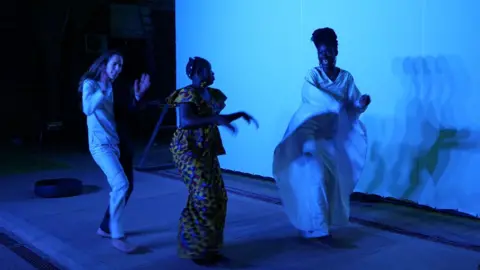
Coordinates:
<point>98,107</point>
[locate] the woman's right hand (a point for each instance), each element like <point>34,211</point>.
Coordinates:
<point>226,122</point>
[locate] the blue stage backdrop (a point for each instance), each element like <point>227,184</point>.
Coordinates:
<point>418,59</point>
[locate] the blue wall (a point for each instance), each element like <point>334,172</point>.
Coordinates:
<point>418,59</point>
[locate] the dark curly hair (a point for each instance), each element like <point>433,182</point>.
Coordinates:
<point>195,65</point>
<point>325,36</point>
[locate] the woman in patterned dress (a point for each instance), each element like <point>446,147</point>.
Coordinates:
<point>195,146</point>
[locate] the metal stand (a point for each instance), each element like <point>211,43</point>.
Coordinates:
<point>148,29</point>
<point>158,126</point>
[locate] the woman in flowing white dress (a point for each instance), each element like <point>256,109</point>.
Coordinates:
<point>321,156</point>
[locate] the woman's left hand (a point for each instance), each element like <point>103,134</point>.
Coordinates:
<point>249,119</point>
<point>141,86</point>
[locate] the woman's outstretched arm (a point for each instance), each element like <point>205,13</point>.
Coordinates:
<point>186,117</point>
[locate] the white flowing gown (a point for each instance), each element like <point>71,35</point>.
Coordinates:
<point>322,154</point>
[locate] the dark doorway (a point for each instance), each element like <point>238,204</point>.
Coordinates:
<point>134,53</point>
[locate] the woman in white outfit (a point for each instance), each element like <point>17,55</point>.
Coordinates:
<point>97,104</point>
<point>319,161</point>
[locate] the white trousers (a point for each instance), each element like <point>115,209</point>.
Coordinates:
<point>107,158</point>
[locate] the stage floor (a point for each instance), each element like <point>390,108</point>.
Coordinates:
<point>257,236</point>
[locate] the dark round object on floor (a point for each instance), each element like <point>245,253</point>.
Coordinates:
<point>58,187</point>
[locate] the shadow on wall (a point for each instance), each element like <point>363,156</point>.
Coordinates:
<point>423,139</point>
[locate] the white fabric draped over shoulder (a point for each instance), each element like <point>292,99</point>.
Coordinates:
<point>322,154</point>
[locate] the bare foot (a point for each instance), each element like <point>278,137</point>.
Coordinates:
<point>124,246</point>
<point>102,233</point>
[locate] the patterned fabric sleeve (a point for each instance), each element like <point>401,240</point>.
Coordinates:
<point>184,95</point>
<point>220,99</point>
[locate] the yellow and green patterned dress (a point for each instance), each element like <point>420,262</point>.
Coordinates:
<point>195,154</point>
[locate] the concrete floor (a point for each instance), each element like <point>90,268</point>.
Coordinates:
<point>257,236</point>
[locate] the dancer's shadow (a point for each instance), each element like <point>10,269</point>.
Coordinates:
<point>142,250</point>
<point>146,231</point>
<point>292,147</point>
<point>246,254</point>
<point>430,133</point>
<point>151,245</point>
<point>159,237</point>
<point>423,140</point>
